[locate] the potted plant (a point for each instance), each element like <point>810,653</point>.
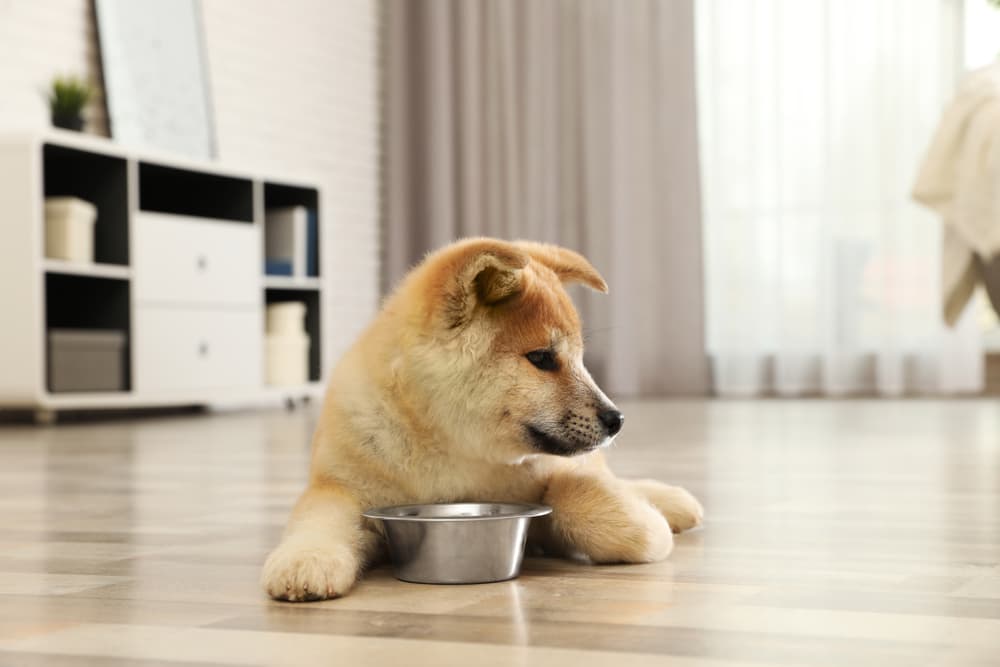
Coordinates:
<point>68,97</point>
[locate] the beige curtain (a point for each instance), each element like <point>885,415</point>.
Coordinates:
<point>567,121</point>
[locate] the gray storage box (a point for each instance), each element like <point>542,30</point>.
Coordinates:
<point>86,360</point>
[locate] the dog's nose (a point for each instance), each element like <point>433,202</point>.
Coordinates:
<point>612,420</point>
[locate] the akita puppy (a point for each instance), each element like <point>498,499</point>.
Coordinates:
<point>470,386</point>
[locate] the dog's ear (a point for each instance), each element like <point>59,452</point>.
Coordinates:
<point>480,272</point>
<point>570,266</point>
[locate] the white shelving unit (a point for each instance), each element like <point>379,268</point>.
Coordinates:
<point>178,268</point>
<point>95,270</point>
<point>289,282</point>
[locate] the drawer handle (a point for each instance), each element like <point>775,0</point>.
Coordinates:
<point>203,349</point>
<point>202,262</point>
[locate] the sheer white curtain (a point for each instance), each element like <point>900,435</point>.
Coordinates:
<point>821,275</point>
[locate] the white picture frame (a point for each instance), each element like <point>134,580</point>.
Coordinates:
<point>156,75</point>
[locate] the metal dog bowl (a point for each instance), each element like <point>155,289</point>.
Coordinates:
<point>457,543</point>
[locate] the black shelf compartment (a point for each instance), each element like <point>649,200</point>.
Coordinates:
<point>99,179</point>
<point>194,193</point>
<point>85,302</point>
<point>311,298</point>
<point>280,195</point>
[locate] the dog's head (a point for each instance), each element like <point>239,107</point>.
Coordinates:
<point>500,350</point>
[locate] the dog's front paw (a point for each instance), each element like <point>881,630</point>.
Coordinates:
<point>639,535</point>
<point>306,573</point>
<point>681,510</point>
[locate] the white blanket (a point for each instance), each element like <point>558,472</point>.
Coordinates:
<point>960,180</point>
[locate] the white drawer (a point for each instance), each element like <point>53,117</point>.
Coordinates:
<point>190,348</point>
<point>185,260</point>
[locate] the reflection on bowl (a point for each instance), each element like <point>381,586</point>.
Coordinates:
<point>457,543</point>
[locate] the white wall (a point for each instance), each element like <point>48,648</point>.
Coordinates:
<point>38,40</point>
<point>295,87</point>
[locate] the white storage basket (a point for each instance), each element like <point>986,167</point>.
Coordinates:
<point>288,317</point>
<point>69,229</point>
<point>287,359</point>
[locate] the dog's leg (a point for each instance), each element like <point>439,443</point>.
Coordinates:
<point>323,549</point>
<point>681,509</point>
<point>604,519</point>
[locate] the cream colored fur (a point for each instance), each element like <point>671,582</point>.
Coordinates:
<point>432,405</point>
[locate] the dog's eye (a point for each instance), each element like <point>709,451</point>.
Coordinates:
<point>543,360</point>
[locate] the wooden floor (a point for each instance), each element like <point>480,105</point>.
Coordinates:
<point>839,533</point>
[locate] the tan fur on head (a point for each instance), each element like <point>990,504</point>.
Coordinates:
<point>472,272</point>
<point>484,272</point>
<point>470,385</point>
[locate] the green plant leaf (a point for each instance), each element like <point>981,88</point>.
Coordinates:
<point>69,95</point>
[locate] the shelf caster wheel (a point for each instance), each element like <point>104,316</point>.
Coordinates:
<point>290,404</point>
<point>45,417</point>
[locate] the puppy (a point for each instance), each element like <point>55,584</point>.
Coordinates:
<point>470,386</point>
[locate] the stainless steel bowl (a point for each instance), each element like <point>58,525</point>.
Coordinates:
<point>457,543</point>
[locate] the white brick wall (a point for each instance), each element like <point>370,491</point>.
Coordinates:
<point>38,40</point>
<point>295,87</point>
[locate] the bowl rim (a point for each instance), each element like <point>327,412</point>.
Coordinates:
<point>520,511</point>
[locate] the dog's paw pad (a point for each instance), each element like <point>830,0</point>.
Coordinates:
<point>307,575</point>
